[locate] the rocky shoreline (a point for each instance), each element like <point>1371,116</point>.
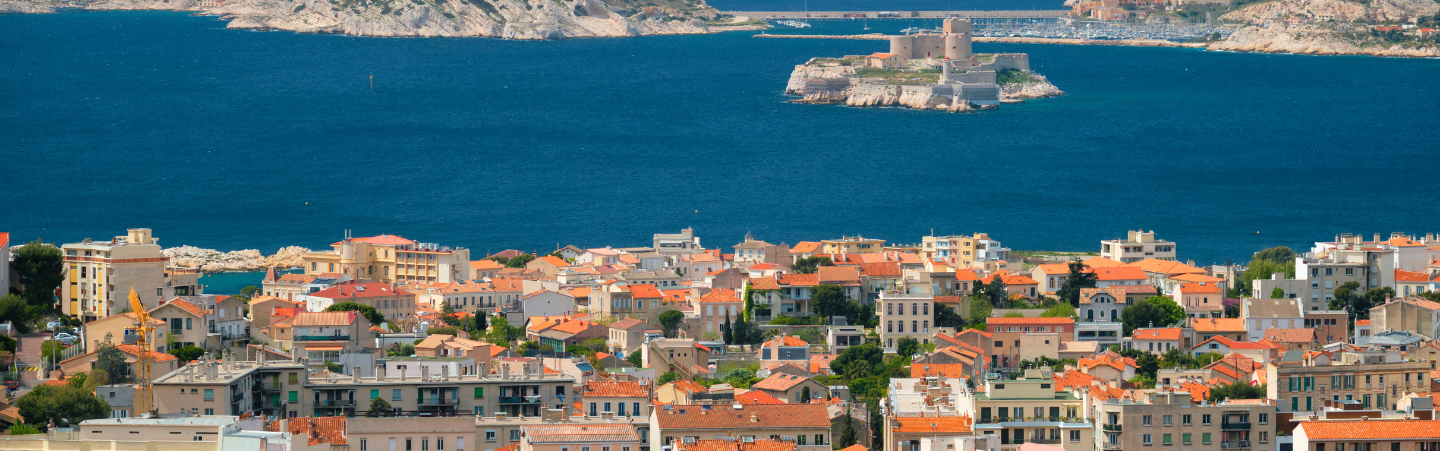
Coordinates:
<point>210,260</point>
<point>507,19</point>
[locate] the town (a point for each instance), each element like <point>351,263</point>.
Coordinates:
<point>948,343</point>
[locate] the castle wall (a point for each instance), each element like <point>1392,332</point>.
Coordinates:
<point>974,77</point>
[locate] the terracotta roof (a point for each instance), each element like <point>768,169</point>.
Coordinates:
<point>1028,321</point>
<point>1198,391</point>
<point>1054,268</point>
<point>882,55</point>
<point>1072,378</point>
<point>767,417</point>
<point>516,446</point>
<point>964,275</point>
<point>1087,293</point>
<point>135,351</point>
<point>645,291</point>
<point>319,429</point>
<point>1196,278</point>
<point>1167,333</point>
<point>1165,267</point>
<point>764,283</point>
<point>1199,288</point>
<point>1101,262</point>
<point>486,265</point>
<point>838,274</point>
<point>184,305</point>
<point>881,269</point>
<point>789,340</point>
<point>359,290</point>
<point>733,445</point>
<point>855,447</point>
<point>1108,359</point>
<point>721,295</point>
<point>1370,430</point>
<point>1218,324</point>
<point>596,389</point>
<point>296,278</point>
<point>1290,335</point>
<point>384,240</point>
<point>554,261</point>
<point>806,247</point>
<point>1362,322</point>
<point>1010,279</point>
<point>593,433</point>
<point>951,370</point>
<point>575,326</point>
<point>799,279</point>
<point>779,382</point>
<point>629,323</point>
<point>1119,273</point>
<point>324,319</point>
<point>689,386</point>
<point>757,397</point>
<point>933,424</point>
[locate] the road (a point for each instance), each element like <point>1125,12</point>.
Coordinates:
<point>28,357</point>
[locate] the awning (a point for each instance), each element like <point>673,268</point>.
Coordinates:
<point>324,348</point>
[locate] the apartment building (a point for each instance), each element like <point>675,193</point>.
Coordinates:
<point>1375,379</point>
<point>807,425</point>
<point>327,336</point>
<point>391,302</point>
<point>1172,418</point>
<point>1416,315</point>
<point>1100,315</point>
<point>100,274</point>
<point>1371,435</point>
<point>1317,275</point>
<point>680,355</point>
<point>752,251</point>
<point>391,259</point>
<point>966,252</point>
<point>620,399</point>
<point>673,245</point>
<point>1137,245</point>
<point>162,434</point>
<point>1331,326</point>
<point>1030,410</point>
<point>905,316</point>
<point>712,309</point>
<point>561,437</point>
<point>932,413</point>
<point>1018,339</point>
<point>1262,314</point>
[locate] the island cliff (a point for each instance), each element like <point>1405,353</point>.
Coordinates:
<point>1329,27</point>
<point>509,19</point>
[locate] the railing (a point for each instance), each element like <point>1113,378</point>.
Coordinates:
<point>519,399</point>
<point>1044,441</point>
<point>1110,446</point>
<point>321,338</point>
<point>237,395</point>
<point>1111,428</point>
<point>1243,444</point>
<point>1235,426</point>
<point>427,401</point>
<point>336,403</point>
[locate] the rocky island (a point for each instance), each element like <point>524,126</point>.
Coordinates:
<point>932,71</point>
<point>509,19</point>
<point>1403,28</point>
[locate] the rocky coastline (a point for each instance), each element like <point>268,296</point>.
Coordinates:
<point>507,19</point>
<point>858,92</point>
<point>210,260</point>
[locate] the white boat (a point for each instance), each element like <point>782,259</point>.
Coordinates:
<point>793,23</point>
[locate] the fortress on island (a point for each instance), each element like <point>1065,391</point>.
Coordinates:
<point>926,70</point>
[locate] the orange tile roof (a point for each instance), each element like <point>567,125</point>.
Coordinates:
<point>592,433</point>
<point>933,424</point>
<point>556,261</point>
<point>882,55</point>
<point>1071,378</point>
<point>806,247</point>
<point>598,389</point>
<point>689,386</point>
<point>1198,391</point>
<point>1054,268</point>
<point>881,269</point>
<point>359,290</point>
<point>720,295</point>
<point>1167,333</point>
<point>795,280</point>
<point>186,306</point>
<point>1119,273</point>
<point>1290,335</point>
<point>1101,262</point>
<point>1165,267</point>
<point>324,318</point>
<point>789,340</point>
<point>319,430</point>
<point>575,326</point>
<point>485,265</point>
<point>1218,324</point>
<point>1199,288</point>
<point>1362,322</point>
<point>966,275</point>
<point>764,283</point>
<point>757,397</point>
<point>779,382</point>
<point>296,278</point>
<point>838,274</point>
<point>1197,278</point>
<point>1370,430</point>
<point>645,291</point>
<point>384,240</point>
<point>952,370</point>
<point>1107,358</point>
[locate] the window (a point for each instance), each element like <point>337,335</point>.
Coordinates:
<point>819,439</point>
<point>1145,439</point>
<point>479,392</point>
<point>1185,438</point>
<point>1205,419</point>
<point>425,444</point>
<point>1074,436</point>
<point>294,396</point>
<point>395,395</point>
<point>1167,420</point>
<point>209,394</point>
<point>364,446</point>
<point>1205,438</point>
<point>374,393</point>
<point>1264,418</point>
<point>514,435</point>
<point>1185,420</point>
<point>408,446</point>
<point>294,379</point>
<point>490,436</point>
<point>1264,436</point>
<point>800,440</point>
<point>209,411</point>
<point>1145,420</point>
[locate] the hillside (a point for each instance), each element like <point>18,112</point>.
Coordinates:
<point>1348,33</point>
<point>510,19</point>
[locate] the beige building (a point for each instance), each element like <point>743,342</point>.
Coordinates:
<point>1374,379</point>
<point>905,316</point>
<point>1137,245</point>
<point>565,437</point>
<point>1030,410</point>
<point>85,362</point>
<point>853,244</point>
<point>116,328</point>
<point>393,303</point>
<point>627,335</point>
<point>324,336</point>
<point>808,425</point>
<point>186,325</point>
<point>1173,419</point>
<point>680,355</point>
<point>620,399</point>
<point>390,258</point>
<point>791,388</point>
<point>1393,435</point>
<point>1416,315</point>
<point>752,251</point>
<point>155,434</point>
<point>100,274</point>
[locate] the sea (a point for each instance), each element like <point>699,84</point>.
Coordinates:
<point>236,139</point>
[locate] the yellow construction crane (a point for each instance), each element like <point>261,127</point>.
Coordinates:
<point>146,397</point>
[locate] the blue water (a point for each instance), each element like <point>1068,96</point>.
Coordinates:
<point>233,139</point>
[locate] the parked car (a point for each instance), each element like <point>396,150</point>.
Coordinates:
<point>51,326</point>
<point>65,338</point>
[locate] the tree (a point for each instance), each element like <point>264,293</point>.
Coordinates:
<point>41,269</point>
<point>1174,313</point>
<point>64,405</point>
<point>1014,314</point>
<point>667,378</point>
<point>379,406</point>
<point>49,348</point>
<point>1140,315</point>
<point>1231,306</point>
<point>499,259</point>
<point>1237,390</point>
<point>519,261</point>
<point>250,291</point>
<point>805,394</point>
<point>1276,254</point>
<point>1371,299</point>
<point>24,429</point>
<point>711,335</point>
<point>1078,278</point>
<point>187,353</point>
<point>809,265</point>
<point>847,435</point>
<point>1277,293</point>
<point>670,322</point>
<point>368,312</point>
<point>447,330</point>
<point>868,355</point>
<point>1262,269</point>
<point>635,359</point>
<point>747,333</point>
<point>946,317</point>
<point>480,320</point>
<point>979,310</point>
<point>828,300</point>
<point>112,362</point>
<point>997,293</point>
<point>728,333</point>
<point>906,347</point>
<point>333,367</point>
<point>12,309</point>
<point>1060,310</point>
<point>402,349</point>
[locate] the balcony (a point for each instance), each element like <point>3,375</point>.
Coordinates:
<point>1043,441</point>
<point>335,403</point>
<point>1107,446</point>
<point>441,401</point>
<point>321,338</point>
<point>1110,427</point>
<point>531,399</point>
<point>1243,444</point>
<point>1235,426</point>
<point>237,395</point>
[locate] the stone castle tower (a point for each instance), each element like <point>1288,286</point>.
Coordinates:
<point>953,42</point>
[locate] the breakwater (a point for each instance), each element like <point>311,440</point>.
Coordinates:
<point>1008,40</point>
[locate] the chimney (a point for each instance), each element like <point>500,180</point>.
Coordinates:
<point>424,372</point>
<point>499,415</point>
<point>355,374</point>
<point>260,356</point>
<point>379,372</point>
<point>445,373</point>
<point>504,372</point>
<point>402,375</point>
<point>754,418</point>
<point>1377,238</point>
